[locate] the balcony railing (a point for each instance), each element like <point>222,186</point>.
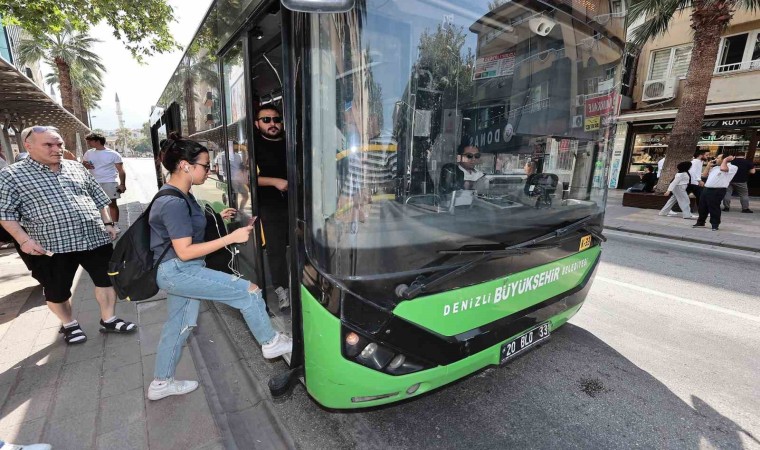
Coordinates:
<point>738,67</point>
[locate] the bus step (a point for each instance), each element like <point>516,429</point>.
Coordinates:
<point>281,383</point>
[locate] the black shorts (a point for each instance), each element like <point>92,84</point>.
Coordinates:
<point>56,273</point>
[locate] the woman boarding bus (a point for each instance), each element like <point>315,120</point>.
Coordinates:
<point>400,284</point>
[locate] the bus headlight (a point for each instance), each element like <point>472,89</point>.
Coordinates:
<point>368,353</point>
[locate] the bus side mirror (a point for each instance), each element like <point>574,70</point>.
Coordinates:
<point>319,6</point>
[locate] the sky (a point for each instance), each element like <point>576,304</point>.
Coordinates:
<point>140,85</point>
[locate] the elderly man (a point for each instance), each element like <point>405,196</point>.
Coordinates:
<point>59,216</point>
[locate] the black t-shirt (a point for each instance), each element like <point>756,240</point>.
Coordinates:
<point>650,180</point>
<point>272,162</point>
<point>742,175</point>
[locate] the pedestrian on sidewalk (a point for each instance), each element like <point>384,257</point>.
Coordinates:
<point>179,224</point>
<point>57,213</point>
<point>719,174</point>
<point>107,167</point>
<point>677,192</point>
<point>739,183</point>
<point>697,164</point>
<point>649,178</point>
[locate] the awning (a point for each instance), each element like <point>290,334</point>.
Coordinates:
<point>23,104</point>
<point>711,110</point>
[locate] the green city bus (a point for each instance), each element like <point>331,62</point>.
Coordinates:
<point>447,167</point>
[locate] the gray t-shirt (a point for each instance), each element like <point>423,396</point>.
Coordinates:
<point>170,219</point>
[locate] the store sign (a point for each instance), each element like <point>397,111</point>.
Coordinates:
<point>600,106</point>
<point>591,123</point>
<point>493,139</point>
<point>494,66</point>
<point>726,123</point>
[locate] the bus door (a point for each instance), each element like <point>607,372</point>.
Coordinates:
<point>271,203</point>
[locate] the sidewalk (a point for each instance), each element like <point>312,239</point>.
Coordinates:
<point>94,395</point>
<point>737,230</point>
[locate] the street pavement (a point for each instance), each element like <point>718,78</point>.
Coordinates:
<point>737,230</point>
<point>665,353</point>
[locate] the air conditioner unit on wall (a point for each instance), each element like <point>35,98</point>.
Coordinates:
<point>576,122</point>
<point>659,89</point>
<point>580,100</point>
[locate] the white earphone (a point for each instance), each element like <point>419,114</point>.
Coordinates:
<point>187,170</point>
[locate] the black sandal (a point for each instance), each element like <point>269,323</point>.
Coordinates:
<point>117,326</point>
<point>73,335</point>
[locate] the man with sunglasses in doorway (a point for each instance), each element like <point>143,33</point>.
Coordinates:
<point>272,194</point>
<point>59,216</point>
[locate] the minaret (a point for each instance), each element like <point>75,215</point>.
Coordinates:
<point>118,112</point>
<point>120,116</point>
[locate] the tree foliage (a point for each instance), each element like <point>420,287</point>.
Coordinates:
<point>142,25</point>
<point>78,70</point>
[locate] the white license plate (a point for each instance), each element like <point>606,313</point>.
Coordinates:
<point>525,341</point>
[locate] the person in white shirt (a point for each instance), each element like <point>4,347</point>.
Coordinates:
<point>678,190</point>
<point>219,163</point>
<point>700,156</point>
<point>107,167</point>
<point>660,163</point>
<point>719,174</point>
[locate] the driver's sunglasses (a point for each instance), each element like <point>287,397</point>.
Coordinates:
<point>270,119</point>
<point>206,167</point>
<point>472,155</point>
<point>39,129</point>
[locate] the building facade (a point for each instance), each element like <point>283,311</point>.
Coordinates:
<point>658,76</point>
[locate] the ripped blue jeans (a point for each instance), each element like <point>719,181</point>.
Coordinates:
<point>186,283</point>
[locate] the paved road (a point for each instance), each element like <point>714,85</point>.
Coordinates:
<point>664,354</point>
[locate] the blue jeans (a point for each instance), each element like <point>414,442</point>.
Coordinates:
<point>187,281</point>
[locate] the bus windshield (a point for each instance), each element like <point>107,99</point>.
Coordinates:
<point>436,125</point>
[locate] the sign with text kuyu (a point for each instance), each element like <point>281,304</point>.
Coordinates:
<point>600,106</point>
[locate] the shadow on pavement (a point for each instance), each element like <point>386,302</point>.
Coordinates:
<point>574,392</point>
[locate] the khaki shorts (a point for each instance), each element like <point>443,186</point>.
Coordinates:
<point>110,190</point>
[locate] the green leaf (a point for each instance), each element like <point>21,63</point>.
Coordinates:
<point>142,25</point>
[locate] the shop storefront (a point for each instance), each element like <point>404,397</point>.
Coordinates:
<point>646,144</point>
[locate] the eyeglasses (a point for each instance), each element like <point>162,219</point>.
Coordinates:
<point>270,119</point>
<point>472,155</point>
<point>38,129</point>
<point>207,167</point>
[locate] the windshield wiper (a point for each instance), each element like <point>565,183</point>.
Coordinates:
<point>422,284</point>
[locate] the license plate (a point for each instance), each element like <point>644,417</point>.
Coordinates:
<point>525,341</point>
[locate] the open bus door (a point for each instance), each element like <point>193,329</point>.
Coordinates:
<point>252,76</point>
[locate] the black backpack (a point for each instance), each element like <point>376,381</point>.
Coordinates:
<point>131,269</point>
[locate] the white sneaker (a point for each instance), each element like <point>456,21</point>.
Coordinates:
<point>9,446</point>
<point>690,217</point>
<point>280,345</point>
<point>283,297</point>
<point>672,214</point>
<point>171,387</point>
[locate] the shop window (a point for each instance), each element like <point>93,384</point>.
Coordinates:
<point>670,62</point>
<point>739,52</point>
<point>648,148</point>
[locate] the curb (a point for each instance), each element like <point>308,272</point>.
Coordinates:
<point>229,382</point>
<point>683,238</point>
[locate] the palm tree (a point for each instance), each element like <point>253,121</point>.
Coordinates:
<point>66,50</point>
<point>709,20</point>
<point>196,69</point>
<point>87,87</point>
